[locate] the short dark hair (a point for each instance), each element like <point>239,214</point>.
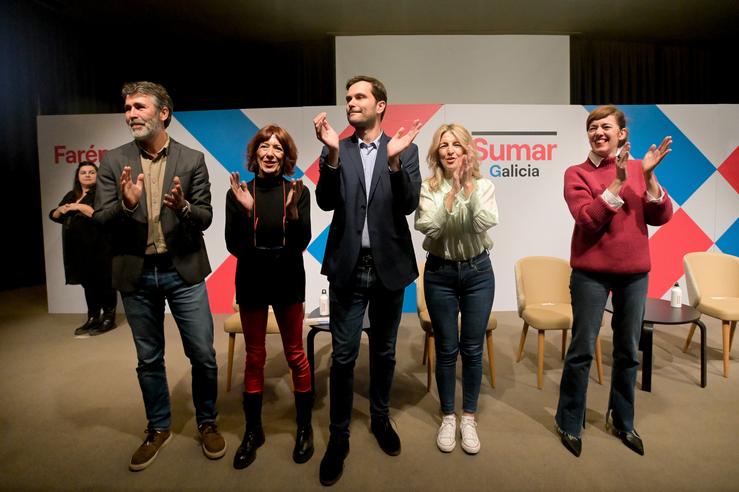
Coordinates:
<point>378,89</point>
<point>289,158</point>
<point>156,91</point>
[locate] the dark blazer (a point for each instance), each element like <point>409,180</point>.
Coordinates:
<point>129,230</point>
<point>392,196</point>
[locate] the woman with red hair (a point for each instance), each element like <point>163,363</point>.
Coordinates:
<point>267,229</point>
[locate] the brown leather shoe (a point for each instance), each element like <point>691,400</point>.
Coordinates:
<point>149,449</point>
<point>214,446</point>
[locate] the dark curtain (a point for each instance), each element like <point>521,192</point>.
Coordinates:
<point>649,73</point>
<point>50,64</point>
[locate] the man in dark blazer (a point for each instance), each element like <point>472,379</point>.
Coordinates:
<point>154,196</point>
<point>371,182</point>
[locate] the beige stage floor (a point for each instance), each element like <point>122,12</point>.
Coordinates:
<point>72,415</point>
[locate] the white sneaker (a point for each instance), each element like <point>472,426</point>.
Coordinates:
<point>468,429</point>
<point>446,438</point>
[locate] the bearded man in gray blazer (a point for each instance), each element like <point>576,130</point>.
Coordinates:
<point>154,196</point>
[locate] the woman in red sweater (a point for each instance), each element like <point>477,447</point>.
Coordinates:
<point>612,200</point>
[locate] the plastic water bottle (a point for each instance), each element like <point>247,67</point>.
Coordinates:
<point>323,303</point>
<point>676,296</point>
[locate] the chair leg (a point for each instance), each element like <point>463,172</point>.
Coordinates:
<point>540,361</point>
<point>425,347</point>
<point>690,337</point>
<point>231,343</point>
<point>564,343</point>
<point>727,342</point>
<point>523,341</point>
<point>731,335</point>
<point>430,365</point>
<point>599,359</point>
<point>491,357</point>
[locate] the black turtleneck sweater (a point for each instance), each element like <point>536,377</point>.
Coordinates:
<point>269,270</point>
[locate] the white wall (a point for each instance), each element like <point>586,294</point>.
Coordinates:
<point>459,69</point>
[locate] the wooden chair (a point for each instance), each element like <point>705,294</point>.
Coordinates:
<point>713,289</point>
<point>544,303</point>
<point>428,345</point>
<point>232,326</point>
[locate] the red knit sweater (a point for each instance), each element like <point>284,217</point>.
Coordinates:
<point>604,239</point>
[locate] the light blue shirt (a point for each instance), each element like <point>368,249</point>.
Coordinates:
<point>368,153</point>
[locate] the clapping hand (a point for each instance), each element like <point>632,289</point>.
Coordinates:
<point>293,197</point>
<point>621,162</point>
<point>400,142</point>
<point>242,193</point>
<point>325,132</point>
<point>654,156</point>
<point>131,191</point>
<point>175,199</point>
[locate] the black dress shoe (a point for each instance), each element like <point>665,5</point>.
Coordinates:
<point>332,464</point>
<point>84,330</point>
<point>105,326</point>
<point>386,436</point>
<point>632,440</point>
<point>572,443</point>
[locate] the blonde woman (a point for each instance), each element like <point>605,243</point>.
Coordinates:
<point>456,209</point>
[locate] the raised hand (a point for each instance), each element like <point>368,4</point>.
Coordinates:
<point>325,132</point>
<point>175,199</point>
<point>654,156</point>
<point>241,192</point>
<point>293,197</point>
<point>401,141</point>
<point>621,163</point>
<point>130,190</point>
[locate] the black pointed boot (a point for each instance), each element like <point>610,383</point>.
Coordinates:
<point>254,434</point>
<point>304,438</point>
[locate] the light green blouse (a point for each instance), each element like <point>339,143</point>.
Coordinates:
<point>462,233</point>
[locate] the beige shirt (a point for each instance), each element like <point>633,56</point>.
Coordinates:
<point>154,167</point>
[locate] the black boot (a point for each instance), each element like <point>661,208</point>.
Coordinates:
<point>304,437</point>
<point>93,320</point>
<point>254,434</point>
<point>107,323</point>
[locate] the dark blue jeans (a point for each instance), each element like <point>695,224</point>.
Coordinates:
<point>347,308</point>
<point>191,311</point>
<point>589,292</point>
<point>465,287</point>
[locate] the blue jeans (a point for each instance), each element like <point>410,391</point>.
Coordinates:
<point>347,308</point>
<point>589,292</point>
<point>453,287</point>
<point>145,312</point>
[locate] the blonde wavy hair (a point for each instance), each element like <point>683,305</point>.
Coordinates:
<point>435,165</point>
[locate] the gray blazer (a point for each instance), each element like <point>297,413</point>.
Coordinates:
<point>129,230</point>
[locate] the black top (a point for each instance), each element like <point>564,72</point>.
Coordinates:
<point>85,246</point>
<point>269,270</point>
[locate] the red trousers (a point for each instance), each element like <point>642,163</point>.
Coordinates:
<point>290,320</point>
